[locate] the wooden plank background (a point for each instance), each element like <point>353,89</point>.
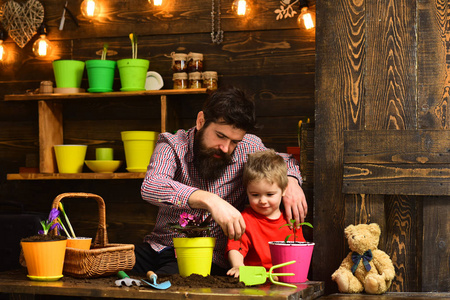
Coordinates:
<point>381,134</point>
<point>273,61</point>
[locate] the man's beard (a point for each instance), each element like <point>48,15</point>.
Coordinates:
<point>208,166</point>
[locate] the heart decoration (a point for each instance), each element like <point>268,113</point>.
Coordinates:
<point>22,21</point>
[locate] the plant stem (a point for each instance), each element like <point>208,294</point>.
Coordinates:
<point>67,220</point>
<point>63,227</point>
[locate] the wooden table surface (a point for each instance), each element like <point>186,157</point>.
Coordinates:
<point>16,282</point>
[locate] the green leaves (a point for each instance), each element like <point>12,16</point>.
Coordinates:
<point>294,228</point>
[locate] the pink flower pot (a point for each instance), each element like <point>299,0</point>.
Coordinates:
<point>301,252</point>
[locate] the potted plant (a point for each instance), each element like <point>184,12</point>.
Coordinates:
<point>133,71</point>
<point>44,253</point>
<point>194,251</point>
<point>284,251</point>
<point>101,73</point>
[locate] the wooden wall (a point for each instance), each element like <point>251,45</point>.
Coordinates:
<point>382,135</point>
<point>272,60</point>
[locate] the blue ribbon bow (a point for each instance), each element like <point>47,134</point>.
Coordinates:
<point>366,257</point>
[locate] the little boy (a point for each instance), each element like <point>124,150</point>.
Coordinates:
<point>265,177</point>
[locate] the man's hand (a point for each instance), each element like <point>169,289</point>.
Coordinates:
<point>294,202</point>
<point>225,214</point>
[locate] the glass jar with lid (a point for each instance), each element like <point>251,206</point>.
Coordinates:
<point>180,80</point>
<point>210,80</point>
<point>195,62</point>
<point>179,62</point>
<point>195,80</point>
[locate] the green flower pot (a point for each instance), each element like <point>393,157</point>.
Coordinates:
<point>133,73</point>
<point>68,73</point>
<point>100,75</point>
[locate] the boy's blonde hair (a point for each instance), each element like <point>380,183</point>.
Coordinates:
<point>266,165</point>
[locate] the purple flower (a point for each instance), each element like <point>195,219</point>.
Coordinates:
<point>52,222</point>
<point>191,225</point>
<point>53,215</point>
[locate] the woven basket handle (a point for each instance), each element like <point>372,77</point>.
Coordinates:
<point>101,238</point>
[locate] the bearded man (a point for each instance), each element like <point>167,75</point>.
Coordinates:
<point>199,171</point>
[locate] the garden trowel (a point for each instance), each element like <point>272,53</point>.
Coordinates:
<point>253,275</point>
<point>152,277</point>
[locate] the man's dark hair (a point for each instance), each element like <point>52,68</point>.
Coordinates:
<point>230,106</point>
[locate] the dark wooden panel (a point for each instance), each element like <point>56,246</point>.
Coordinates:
<point>402,241</point>
<point>436,238</point>
<point>433,65</point>
<point>119,18</point>
<point>243,53</point>
<point>396,179</point>
<point>407,162</point>
<point>390,82</point>
<point>423,147</point>
<point>339,90</point>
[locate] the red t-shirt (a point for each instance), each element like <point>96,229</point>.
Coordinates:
<point>254,243</point>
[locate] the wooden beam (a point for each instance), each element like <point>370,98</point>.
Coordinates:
<point>397,162</point>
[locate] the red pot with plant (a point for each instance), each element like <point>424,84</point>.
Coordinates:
<point>284,251</point>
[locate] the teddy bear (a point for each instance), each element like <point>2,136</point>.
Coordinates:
<point>366,268</point>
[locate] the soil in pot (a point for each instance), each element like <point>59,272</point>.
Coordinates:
<point>43,238</point>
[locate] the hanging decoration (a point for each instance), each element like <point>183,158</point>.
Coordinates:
<point>286,9</point>
<point>216,38</point>
<point>22,21</point>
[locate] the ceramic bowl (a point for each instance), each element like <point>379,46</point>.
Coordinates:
<point>103,166</point>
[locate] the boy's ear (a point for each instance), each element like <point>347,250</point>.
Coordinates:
<point>200,120</point>
<point>284,193</point>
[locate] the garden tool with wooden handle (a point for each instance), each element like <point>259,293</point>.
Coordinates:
<point>125,279</point>
<point>152,277</point>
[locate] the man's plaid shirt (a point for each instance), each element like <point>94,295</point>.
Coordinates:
<point>171,178</point>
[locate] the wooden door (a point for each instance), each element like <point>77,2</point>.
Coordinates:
<point>382,139</point>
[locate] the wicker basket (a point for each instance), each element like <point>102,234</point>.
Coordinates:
<point>103,259</point>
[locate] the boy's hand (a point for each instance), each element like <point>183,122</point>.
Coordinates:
<point>233,272</point>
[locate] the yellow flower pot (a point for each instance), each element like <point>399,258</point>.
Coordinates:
<point>139,146</point>
<point>44,259</point>
<point>194,255</point>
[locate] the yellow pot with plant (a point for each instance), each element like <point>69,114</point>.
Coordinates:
<point>194,251</point>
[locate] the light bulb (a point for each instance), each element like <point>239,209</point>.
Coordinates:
<point>156,2</point>
<point>42,46</point>
<point>305,19</point>
<point>2,51</point>
<point>241,7</point>
<point>90,9</point>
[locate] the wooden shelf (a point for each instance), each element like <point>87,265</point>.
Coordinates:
<point>38,97</point>
<point>77,176</point>
<point>51,128</point>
